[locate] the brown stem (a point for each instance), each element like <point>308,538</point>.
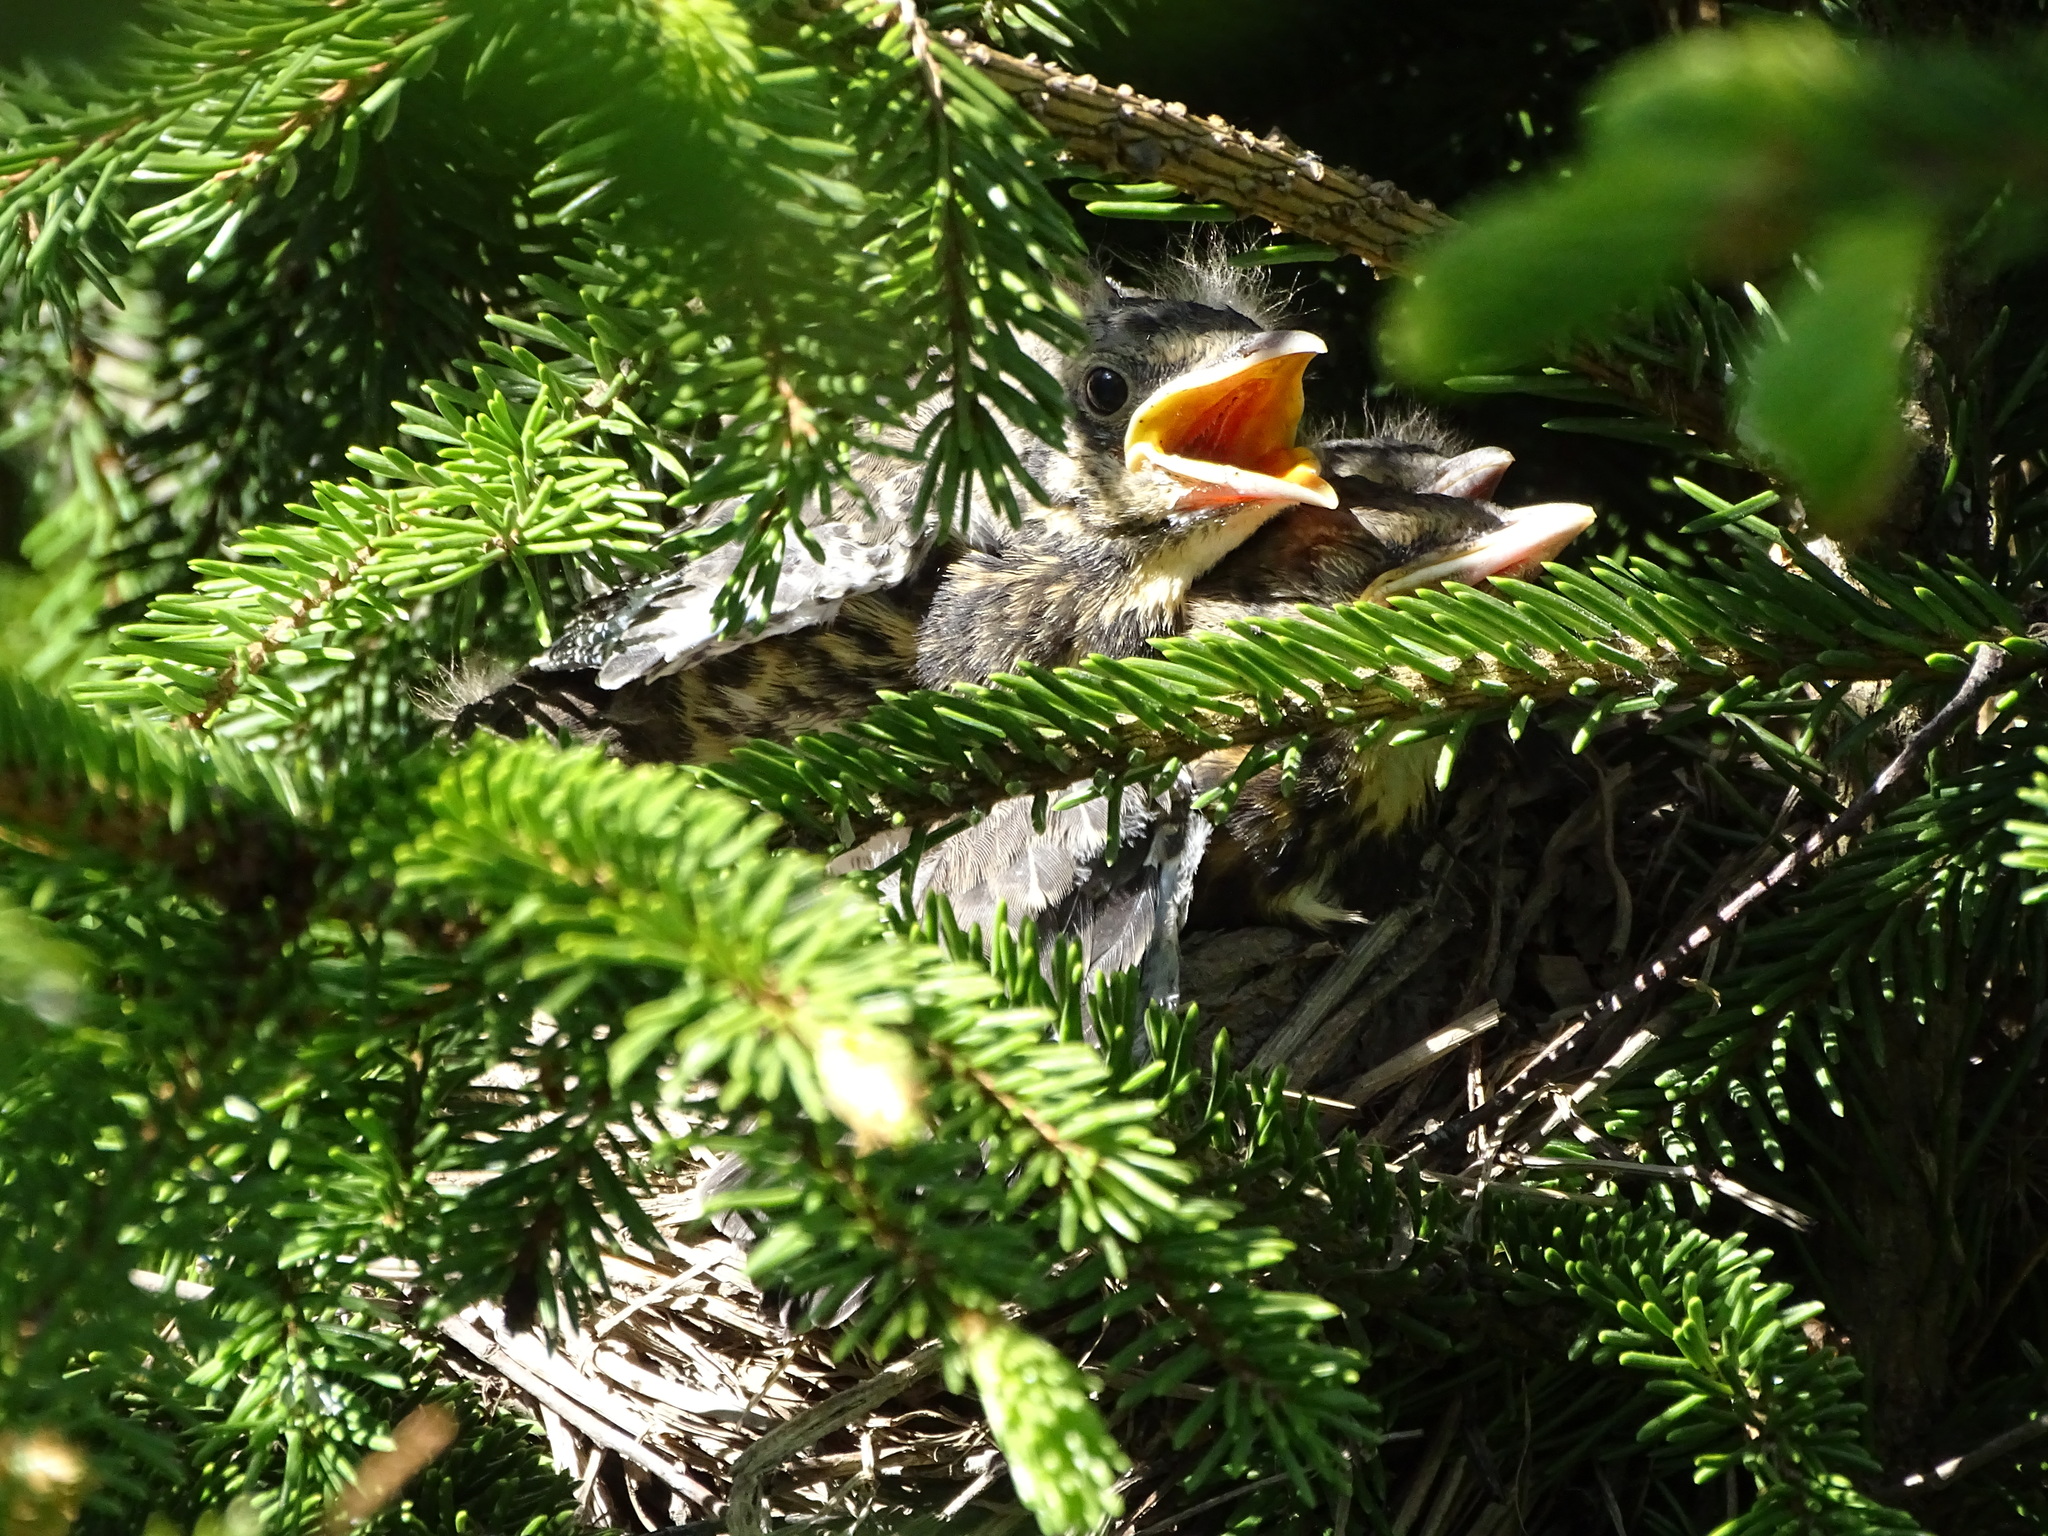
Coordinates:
<point>256,655</point>
<point>1136,135</point>
<point>1272,178</point>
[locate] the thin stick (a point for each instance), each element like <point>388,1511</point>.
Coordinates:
<point>1308,1064</point>
<point>1425,1053</point>
<point>746,1511</point>
<point>1997,1448</point>
<point>1334,985</point>
<point>1986,668</point>
<point>1208,1504</point>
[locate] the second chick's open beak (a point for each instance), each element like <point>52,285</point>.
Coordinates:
<point>1226,433</point>
<point>1526,537</point>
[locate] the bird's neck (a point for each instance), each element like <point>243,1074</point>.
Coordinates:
<point>1139,586</point>
<point>1056,591</point>
<point>1163,570</point>
<point>1148,574</point>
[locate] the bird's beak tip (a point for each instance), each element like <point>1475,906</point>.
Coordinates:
<point>1526,539</point>
<point>1562,520</point>
<point>1269,344</point>
<point>1473,475</point>
<point>1310,486</point>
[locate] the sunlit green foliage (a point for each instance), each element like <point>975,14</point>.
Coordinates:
<point>385,337</point>
<point>1787,152</point>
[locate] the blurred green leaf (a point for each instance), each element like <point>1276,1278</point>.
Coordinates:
<point>39,970</point>
<point>1701,157</point>
<point>1823,403</point>
<point>1722,156</point>
<point>1063,1461</point>
<point>1538,267</point>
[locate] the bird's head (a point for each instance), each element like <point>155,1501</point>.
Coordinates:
<point>1425,540</point>
<point>1184,414</point>
<point>1416,461</point>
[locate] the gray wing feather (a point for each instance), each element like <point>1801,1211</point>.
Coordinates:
<point>1124,904</point>
<point>665,624</point>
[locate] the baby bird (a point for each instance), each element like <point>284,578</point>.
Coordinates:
<point>1276,856</point>
<point>1125,903</point>
<point>1182,447</point>
<point>1184,412</point>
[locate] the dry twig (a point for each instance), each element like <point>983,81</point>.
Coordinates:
<point>1130,134</point>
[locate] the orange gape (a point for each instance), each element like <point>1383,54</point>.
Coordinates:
<point>1227,432</point>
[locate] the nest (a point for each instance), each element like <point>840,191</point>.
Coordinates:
<point>685,1402</point>
<point>683,1399</point>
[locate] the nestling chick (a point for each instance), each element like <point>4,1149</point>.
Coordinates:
<point>1125,904</point>
<point>1181,443</point>
<point>1182,446</point>
<point>1276,856</point>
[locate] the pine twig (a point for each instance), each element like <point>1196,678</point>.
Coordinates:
<point>1273,178</point>
<point>1137,135</point>
<point>1987,667</point>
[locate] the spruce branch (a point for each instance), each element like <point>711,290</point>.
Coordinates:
<point>1724,1348</point>
<point>984,217</point>
<point>206,133</point>
<point>1615,638</point>
<point>506,488</point>
<point>1272,178</point>
<point>220,823</point>
<point>789,994</point>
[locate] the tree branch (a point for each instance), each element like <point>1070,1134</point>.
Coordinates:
<point>1275,179</point>
<point>867,788</point>
<point>75,786</point>
<point>1123,131</point>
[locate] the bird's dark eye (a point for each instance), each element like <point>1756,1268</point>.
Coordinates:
<point>1105,390</point>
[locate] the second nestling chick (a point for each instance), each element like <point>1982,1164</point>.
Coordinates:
<point>1126,903</point>
<point>1277,855</point>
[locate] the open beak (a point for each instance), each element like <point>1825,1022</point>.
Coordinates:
<point>1531,536</point>
<point>1474,475</point>
<point>1226,432</point>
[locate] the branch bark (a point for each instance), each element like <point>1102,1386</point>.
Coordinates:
<point>1273,178</point>
<point>1135,135</point>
